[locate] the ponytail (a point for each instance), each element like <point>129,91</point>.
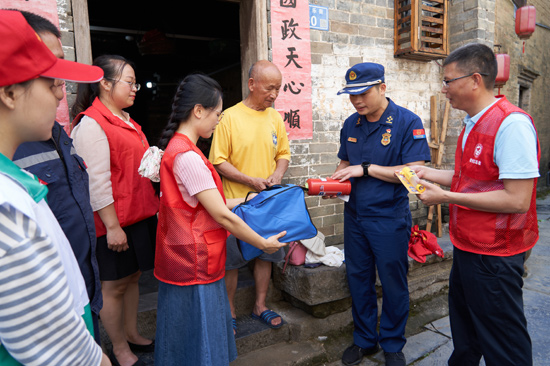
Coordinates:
<point>194,89</point>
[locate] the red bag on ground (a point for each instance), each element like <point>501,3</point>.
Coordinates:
<point>423,243</point>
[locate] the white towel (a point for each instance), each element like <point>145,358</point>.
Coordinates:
<point>334,257</point>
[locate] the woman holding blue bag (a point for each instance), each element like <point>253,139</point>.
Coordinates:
<point>193,316</point>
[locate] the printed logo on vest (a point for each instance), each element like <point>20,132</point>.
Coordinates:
<point>477,150</point>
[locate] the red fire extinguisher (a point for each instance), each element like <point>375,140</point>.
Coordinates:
<point>328,187</point>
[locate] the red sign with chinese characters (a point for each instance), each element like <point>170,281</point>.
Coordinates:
<point>292,55</point>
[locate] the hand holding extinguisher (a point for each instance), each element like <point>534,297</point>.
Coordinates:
<point>327,187</point>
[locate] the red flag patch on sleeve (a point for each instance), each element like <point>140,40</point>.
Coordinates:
<point>419,134</point>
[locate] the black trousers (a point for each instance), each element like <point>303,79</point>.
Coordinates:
<point>486,310</point>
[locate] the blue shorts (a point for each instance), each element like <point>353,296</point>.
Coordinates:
<point>235,259</point>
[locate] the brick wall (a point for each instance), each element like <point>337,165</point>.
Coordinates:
<point>64,11</point>
<point>362,31</point>
<point>359,31</point>
<point>529,68</point>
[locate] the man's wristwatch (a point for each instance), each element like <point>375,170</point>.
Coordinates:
<point>365,167</point>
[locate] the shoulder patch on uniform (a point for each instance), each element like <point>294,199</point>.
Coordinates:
<point>419,134</point>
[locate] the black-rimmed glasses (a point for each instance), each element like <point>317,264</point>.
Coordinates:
<point>447,82</point>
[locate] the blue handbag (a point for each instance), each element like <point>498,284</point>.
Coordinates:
<point>275,209</point>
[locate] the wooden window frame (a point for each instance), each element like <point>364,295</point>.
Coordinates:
<point>421,29</point>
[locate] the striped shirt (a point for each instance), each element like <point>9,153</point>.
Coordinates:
<point>38,325</point>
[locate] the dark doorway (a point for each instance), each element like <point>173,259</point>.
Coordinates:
<point>166,41</point>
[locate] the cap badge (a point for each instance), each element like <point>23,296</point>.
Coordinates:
<point>352,75</point>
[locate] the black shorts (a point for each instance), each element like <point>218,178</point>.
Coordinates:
<point>139,257</point>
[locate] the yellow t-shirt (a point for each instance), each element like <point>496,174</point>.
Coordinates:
<point>251,141</point>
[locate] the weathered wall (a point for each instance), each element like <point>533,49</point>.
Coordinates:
<point>529,69</point>
<point>360,31</point>
<point>64,11</point>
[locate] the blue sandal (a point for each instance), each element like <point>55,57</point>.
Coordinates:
<point>267,317</point>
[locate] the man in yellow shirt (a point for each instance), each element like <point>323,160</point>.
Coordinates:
<point>250,151</point>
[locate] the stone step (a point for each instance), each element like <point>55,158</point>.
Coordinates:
<point>245,296</point>
<point>311,334</point>
<point>308,353</point>
<point>298,326</point>
<point>253,334</point>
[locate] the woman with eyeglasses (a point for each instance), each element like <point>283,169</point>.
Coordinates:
<point>125,204</point>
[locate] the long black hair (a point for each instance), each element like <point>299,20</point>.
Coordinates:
<point>112,66</point>
<point>194,89</point>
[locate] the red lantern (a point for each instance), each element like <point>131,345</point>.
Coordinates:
<point>525,21</point>
<point>503,74</point>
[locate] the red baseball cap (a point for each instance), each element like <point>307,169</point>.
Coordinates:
<point>24,56</point>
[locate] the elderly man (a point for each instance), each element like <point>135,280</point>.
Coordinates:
<point>250,150</point>
<point>492,211</point>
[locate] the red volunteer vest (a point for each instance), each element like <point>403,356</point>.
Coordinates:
<point>190,243</point>
<point>498,234</point>
<point>134,196</point>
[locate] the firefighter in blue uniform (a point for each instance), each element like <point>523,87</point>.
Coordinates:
<point>57,165</point>
<point>377,140</point>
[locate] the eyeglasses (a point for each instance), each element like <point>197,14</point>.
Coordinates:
<point>447,82</point>
<point>131,83</point>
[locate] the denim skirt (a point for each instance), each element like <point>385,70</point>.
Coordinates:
<point>194,325</point>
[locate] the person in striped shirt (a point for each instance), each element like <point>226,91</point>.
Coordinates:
<point>44,306</point>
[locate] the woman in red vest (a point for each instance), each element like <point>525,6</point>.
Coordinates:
<point>193,316</point>
<point>124,203</point>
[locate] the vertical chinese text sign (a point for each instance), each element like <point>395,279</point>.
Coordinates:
<point>292,55</point>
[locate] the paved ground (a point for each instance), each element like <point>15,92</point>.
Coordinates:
<point>536,298</point>
<point>434,346</point>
